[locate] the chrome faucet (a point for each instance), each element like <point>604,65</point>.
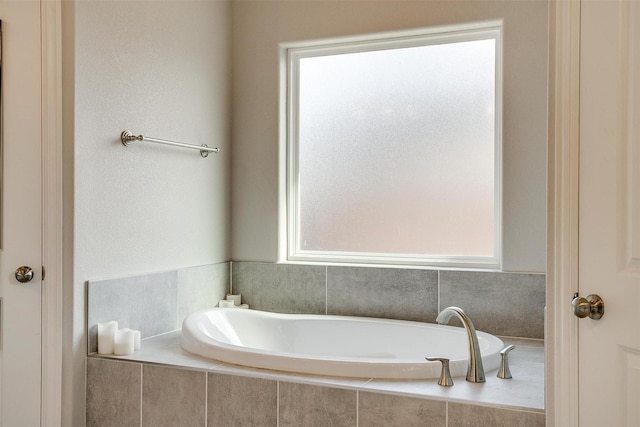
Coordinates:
<point>475,370</point>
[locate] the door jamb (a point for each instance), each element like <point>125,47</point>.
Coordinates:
<point>52,213</point>
<point>561,336</point>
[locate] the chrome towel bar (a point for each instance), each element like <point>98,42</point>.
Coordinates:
<point>127,138</point>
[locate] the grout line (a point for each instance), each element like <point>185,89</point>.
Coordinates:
<point>277,403</point>
<point>326,290</point>
<point>446,413</point>
<point>438,291</point>
<point>357,408</point>
<point>177,322</point>
<point>231,277</point>
<point>86,378</point>
<point>206,399</point>
<point>141,387</point>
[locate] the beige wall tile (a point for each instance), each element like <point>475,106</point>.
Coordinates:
<point>281,288</point>
<point>113,393</point>
<point>173,397</point>
<point>392,293</point>
<point>509,304</point>
<point>241,401</point>
<point>461,415</point>
<point>386,410</point>
<point>311,406</point>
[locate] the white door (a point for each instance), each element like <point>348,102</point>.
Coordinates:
<point>20,351</point>
<point>609,224</point>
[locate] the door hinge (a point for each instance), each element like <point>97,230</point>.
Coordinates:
<point>43,273</point>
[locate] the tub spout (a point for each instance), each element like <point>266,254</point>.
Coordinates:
<point>475,371</point>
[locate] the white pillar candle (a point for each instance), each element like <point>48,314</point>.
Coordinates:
<point>106,333</point>
<point>226,304</point>
<point>136,340</point>
<point>237,299</point>
<point>136,337</point>
<point>123,342</point>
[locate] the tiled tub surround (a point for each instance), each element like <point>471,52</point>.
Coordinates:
<point>162,385</point>
<point>154,303</point>
<point>508,304</point>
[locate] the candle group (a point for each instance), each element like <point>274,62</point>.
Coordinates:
<point>232,301</point>
<point>237,299</point>
<point>120,342</point>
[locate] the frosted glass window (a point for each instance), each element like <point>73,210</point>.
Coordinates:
<point>394,150</point>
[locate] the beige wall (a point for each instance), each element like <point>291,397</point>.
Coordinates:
<point>159,68</point>
<point>258,28</point>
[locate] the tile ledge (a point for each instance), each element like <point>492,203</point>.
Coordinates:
<point>165,350</point>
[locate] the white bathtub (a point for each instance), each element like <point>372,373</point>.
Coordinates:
<point>332,345</point>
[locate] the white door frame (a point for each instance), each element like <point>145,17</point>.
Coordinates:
<point>561,334</point>
<point>52,237</point>
<point>562,235</point>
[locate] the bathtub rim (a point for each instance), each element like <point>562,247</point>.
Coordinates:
<point>344,366</point>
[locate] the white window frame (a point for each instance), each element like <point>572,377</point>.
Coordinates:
<point>290,54</point>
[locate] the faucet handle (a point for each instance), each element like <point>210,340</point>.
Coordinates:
<point>445,375</point>
<point>504,371</point>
